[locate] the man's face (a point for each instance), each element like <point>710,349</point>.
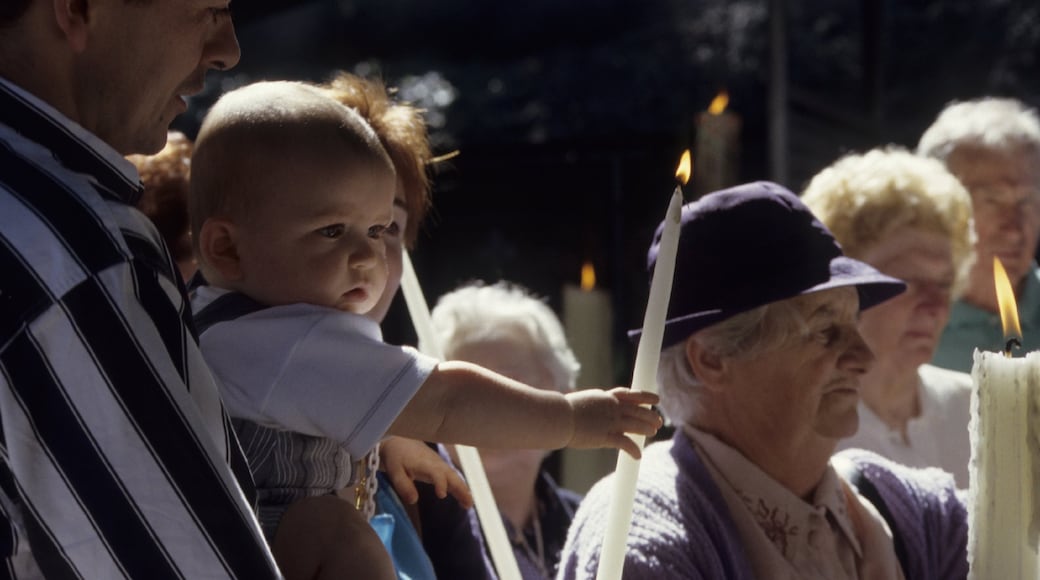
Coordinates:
<point>1005,194</point>
<point>142,60</point>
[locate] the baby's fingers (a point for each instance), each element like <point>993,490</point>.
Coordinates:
<point>459,490</point>
<point>625,444</point>
<point>641,420</point>
<point>635,397</point>
<point>404,486</point>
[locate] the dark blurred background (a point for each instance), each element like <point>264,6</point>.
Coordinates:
<point>570,115</point>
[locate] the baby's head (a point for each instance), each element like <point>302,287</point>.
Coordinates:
<point>290,194</point>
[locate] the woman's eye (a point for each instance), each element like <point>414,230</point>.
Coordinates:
<point>393,229</point>
<point>332,232</point>
<point>828,335</point>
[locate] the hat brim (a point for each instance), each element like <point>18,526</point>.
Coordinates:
<point>873,288</point>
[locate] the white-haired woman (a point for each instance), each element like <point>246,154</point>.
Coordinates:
<point>504,328</point>
<point>760,374</point>
<point>911,219</point>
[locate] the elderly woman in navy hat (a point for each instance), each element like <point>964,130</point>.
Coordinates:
<point>760,375</point>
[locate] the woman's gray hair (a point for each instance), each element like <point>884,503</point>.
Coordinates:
<point>477,313</point>
<point>743,336</point>
<point>990,122</point>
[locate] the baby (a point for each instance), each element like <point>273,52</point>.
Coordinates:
<point>291,197</point>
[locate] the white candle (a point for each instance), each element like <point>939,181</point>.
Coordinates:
<point>718,146</point>
<point>644,378</point>
<point>588,321</point>
<point>487,511</point>
<point>1002,538</point>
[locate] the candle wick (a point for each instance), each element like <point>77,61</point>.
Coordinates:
<point>1013,343</point>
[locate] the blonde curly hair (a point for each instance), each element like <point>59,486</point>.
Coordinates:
<point>861,198</point>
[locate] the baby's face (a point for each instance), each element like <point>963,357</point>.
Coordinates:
<point>394,239</point>
<point>315,235</point>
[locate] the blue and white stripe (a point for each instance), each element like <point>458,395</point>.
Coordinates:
<point>114,445</point>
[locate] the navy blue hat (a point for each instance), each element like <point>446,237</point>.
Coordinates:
<point>747,246</point>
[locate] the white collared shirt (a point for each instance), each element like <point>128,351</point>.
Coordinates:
<point>938,437</point>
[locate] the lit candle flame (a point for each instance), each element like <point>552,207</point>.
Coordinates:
<point>1008,308</point>
<point>682,173</point>
<point>719,103</point>
<point>588,276</point>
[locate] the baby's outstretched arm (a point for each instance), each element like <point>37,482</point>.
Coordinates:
<point>407,461</point>
<point>465,403</point>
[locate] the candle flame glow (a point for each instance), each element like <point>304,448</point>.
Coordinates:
<point>1008,308</point>
<point>682,173</point>
<point>719,103</point>
<point>588,276</point>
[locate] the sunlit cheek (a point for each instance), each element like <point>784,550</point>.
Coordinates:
<point>394,250</point>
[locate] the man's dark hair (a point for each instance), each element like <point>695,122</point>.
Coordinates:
<point>11,11</point>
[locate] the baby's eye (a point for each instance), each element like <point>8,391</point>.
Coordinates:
<point>332,232</point>
<point>393,230</point>
<point>377,231</point>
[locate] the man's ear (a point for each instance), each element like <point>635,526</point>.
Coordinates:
<point>218,248</point>
<point>707,365</point>
<point>72,19</point>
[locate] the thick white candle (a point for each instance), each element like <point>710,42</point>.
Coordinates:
<point>1002,538</point>
<point>588,321</point>
<point>718,146</point>
<point>644,378</point>
<point>487,511</point>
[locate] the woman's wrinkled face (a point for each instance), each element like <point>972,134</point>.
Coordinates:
<point>810,383</point>
<point>904,331</point>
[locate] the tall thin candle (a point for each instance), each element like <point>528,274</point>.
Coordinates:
<point>469,458</point>
<point>644,378</point>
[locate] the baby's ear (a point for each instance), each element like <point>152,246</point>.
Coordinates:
<point>218,248</point>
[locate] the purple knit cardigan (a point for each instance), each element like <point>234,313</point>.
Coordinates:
<point>681,528</point>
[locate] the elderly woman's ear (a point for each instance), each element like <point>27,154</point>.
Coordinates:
<point>707,365</point>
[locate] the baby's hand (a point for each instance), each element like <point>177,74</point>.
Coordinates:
<point>407,460</point>
<point>601,418</point>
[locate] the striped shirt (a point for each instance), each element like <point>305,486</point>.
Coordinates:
<point>116,455</point>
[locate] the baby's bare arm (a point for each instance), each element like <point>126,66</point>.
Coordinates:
<point>465,403</point>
